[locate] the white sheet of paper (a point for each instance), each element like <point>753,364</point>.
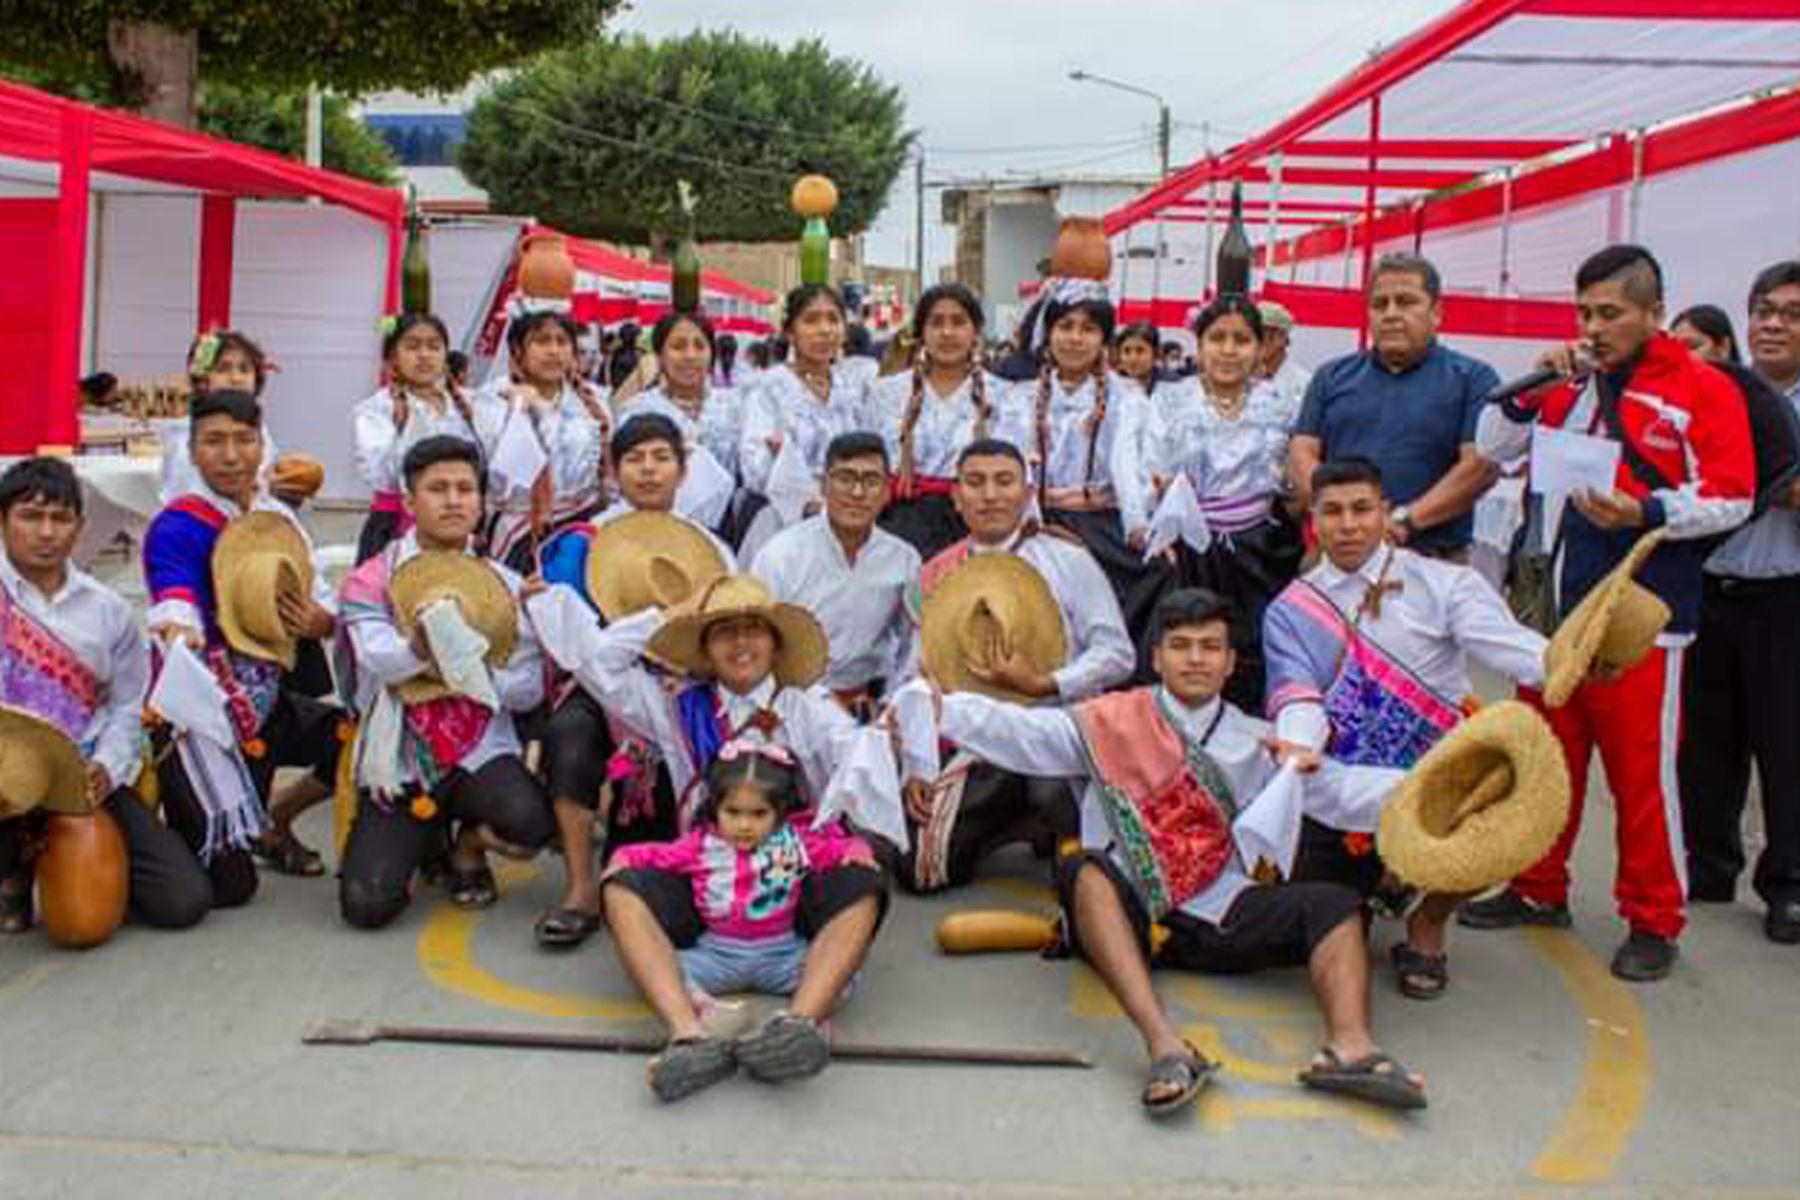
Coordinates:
<point>188,697</point>
<point>1563,463</point>
<point>791,485</point>
<point>518,457</point>
<point>1178,517</point>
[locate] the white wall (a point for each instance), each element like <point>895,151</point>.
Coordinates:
<point>146,283</point>
<point>465,260</point>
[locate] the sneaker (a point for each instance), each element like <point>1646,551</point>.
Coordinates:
<point>1508,909</point>
<point>1644,958</point>
<point>1783,923</point>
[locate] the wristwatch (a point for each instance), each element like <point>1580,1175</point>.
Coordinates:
<point>1402,517</point>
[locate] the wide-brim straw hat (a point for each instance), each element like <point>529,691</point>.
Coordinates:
<point>1485,803</point>
<point>297,475</point>
<point>487,607</point>
<point>989,596</point>
<point>801,650</point>
<point>1616,625</point>
<point>260,556</point>
<point>649,560</point>
<point>39,767</point>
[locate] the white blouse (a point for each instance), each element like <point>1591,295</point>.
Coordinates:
<point>572,438</point>
<point>381,447</point>
<point>781,403</point>
<point>946,423</point>
<point>717,431</point>
<point>1224,457</point>
<point>1117,453</point>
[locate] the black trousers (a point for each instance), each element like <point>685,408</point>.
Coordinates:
<point>1741,703</point>
<point>167,886</point>
<point>998,807</point>
<point>386,845</point>
<point>577,746</point>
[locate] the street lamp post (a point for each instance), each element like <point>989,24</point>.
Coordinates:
<point>1162,152</point>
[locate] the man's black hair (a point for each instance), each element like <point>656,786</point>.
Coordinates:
<point>860,444</point>
<point>991,447</point>
<point>442,448</point>
<point>1776,275</point>
<point>1347,470</point>
<point>1188,606</point>
<point>42,479</point>
<point>239,406</point>
<point>1633,266</point>
<point>648,427</point>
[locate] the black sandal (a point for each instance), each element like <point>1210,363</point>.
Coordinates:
<point>566,928</point>
<point>1378,1078</point>
<point>472,888</point>
<point>16,910</point>
<point>1188,1071</point>
<point>788,1047</point>
<point>1420,976</point>
<point>288,855</point>
<point>686,1066</point>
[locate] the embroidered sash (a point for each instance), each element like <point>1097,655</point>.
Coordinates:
<point>1168,804</point>
<point>41,673</point>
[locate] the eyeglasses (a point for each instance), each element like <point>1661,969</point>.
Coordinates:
<point>856,481</point>
<point>1789,314</point>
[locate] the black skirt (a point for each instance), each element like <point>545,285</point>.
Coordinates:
<point>378,530</point>
<point>1137,584</point>
<point>1248,569</point>
<point>929,524</point>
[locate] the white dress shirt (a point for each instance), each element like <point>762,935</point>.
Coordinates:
<point>1442,615</point>
<point>381,448</point>
<point>384,659</point>
<point>1046,742</point>
<point>1118,452</point>
<point>862,605</point>
<point>946,423</point>
<point>98,625</point>
<point>1291,380</point>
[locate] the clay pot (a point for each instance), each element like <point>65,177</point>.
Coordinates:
<point>82,880</point>
<point>546,272</point>
<point>1081,251</point>
<point>814,196</point>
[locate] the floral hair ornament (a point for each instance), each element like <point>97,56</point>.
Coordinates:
<point>773,751</point>
<point>1066,292</point>
<point>205,353</point>
<point>386,325</point>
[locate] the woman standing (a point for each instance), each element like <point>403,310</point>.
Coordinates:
<point>710,417</point>
<point>1136,354</point>
<point>804,402</point>
<point>570,424</point>
<point>419,401</point>
<point>929,414</point>
<point>1706,328</point>
<point>1227,432</point>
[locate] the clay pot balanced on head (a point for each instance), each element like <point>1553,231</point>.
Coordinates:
<point>545,269</point>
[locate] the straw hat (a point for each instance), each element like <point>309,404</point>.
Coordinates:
<point>800,657</point>
<point>1615,625</point>
<point>39,767</point>
<point>486,603</point>
<point>649,559</point>
<point>1482,805</point>
<point>260,556</point>
<point>299,476</point>
<point>984,596</point>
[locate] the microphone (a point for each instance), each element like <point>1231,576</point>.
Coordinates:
<point>1531,382</point>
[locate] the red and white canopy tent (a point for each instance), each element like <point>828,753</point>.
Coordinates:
<point>123,237</point>
<point>1504,141</point>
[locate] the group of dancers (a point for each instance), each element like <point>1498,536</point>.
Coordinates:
<point>746,659</point>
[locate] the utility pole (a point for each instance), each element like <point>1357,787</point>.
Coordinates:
<point>919,224</point>
<point>1163,125</point>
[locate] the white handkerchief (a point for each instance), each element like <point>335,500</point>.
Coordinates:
<point>563,623</point>
<point>1269,828</point>
<point>706,492</point>
<point>915,713</point>
<point>791,485</point>
<point>188,697</point>
<point>459,652</point>
<point>378,745</point>
<point>866,789</point>
<point>1178,517</point>
<point>518,457</point>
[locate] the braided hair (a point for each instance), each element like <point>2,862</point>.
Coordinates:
<point>952,293</point>
<point>405,323</point>
<point>1101,312</point>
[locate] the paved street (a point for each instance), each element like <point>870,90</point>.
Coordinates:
<point>170,1065</point>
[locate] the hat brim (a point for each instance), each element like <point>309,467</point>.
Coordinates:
<point>949,614</point>
<point>624,555</point>
<point>25,732</point>
<point>1577,642</point>
<point>486,603</point>
<point>249,537</point>
<point>801,653</point>
<point>1485,803</point>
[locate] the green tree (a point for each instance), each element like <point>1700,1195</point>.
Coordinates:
<point>151,54</point>
<point>277,121</point>
<point>594,138</point>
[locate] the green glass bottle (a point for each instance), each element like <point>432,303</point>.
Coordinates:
<point>415,264</point>
<point>815,251</point>
<point>684,282</point>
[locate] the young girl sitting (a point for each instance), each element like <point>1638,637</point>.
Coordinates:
<point>747,857</point>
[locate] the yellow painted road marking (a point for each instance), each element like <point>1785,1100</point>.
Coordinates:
<point>1615,1080</point>
<point>447,957</point>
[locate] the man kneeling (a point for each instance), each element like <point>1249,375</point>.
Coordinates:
<point>1168,769</point>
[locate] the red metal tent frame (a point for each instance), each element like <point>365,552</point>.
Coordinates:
<point>1497,105</point>
<point>78,142</point>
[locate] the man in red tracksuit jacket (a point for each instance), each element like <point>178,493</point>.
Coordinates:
<point>1687,466</point>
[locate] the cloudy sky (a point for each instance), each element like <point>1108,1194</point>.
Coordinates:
<point>986,81</point>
